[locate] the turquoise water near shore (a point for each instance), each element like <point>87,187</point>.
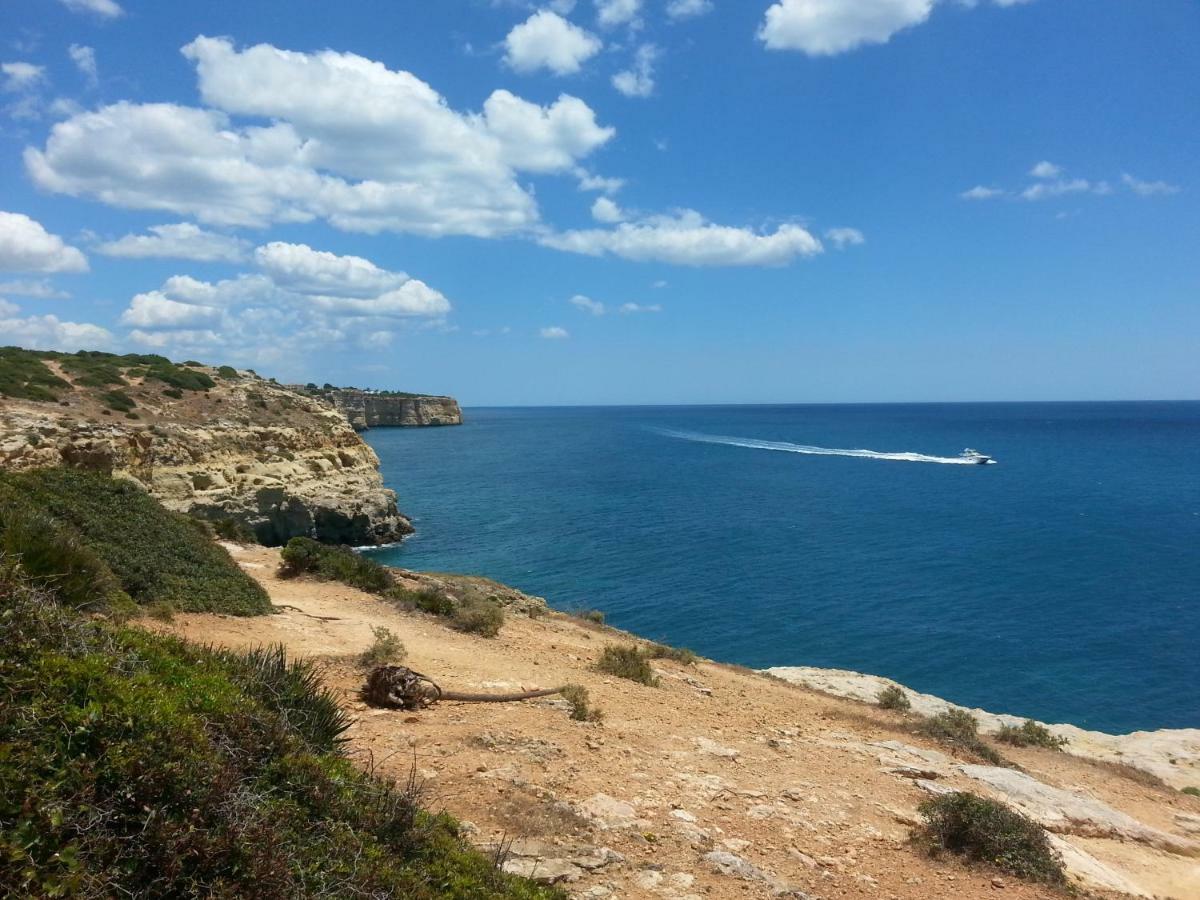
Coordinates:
<point>1061,583</point>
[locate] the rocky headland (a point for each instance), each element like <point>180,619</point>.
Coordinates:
<point>218,443</point>
<point>391,409</point>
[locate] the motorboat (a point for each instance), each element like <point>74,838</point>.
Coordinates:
<point>974,456</point>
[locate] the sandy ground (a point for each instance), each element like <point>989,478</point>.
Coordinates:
<point>784,785</point>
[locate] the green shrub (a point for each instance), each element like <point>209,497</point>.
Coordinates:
<point>138,765</point>
<point>117,400</point>
<point>23,376</point>
<point>595,616</point>
<point>160,610</point>
<point>303,555</point>
<point>581,708</point>
<point>228,372</point>
<point>1030,734</point>
<point>677,654</point>
<point>476,615</point>
<point>173,393</point>
<point>1192,791</point>
<point>431,600</point>
<point>233,530</point>
<point>152,553</point>
<point>986,831</point>
<point>958,729</point>
<point>893,697</point>
<point>385,648</point>
<point>626,662</point>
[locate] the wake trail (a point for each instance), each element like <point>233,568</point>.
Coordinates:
<point>785,447</point>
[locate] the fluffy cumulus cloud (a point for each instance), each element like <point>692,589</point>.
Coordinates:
<point>638,79</point>
<point>605,210</point>
<point>347,140</point>
<point>827,27</point>
<point>104,9</point>
<point>688,239</point>
<point>610,13</point>
<point>25,246</point>
<point>554,333</point>
<point>841,238</point>
<point>50,332</point>
<point>548,41</point>
<point>40,289</point>
<point>298,298</point>
<point>20,76</point>
<point>688,9</point>
<point>1045,169</point>
<point>181,241</point>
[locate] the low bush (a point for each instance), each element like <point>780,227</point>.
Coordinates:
<point>983,830</point>
<point>228,372</point>
<point>385,648</point>
<point>74,526</point>
<point>303,555</point>
<point>626,662</point>
<point>581,708</point>
<point>476,615</point>
<point>160,610</point>
<point>595,616</point>
<point>137,765</point>
<point>1030,734</point>
<point>958,729</point>
<point>676,654</point>
<point>430,600</point>
<point>1192,791</point>
<point>23,376</point>
<point>893,697</point>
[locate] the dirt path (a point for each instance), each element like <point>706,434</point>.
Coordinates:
<point>718,783</point>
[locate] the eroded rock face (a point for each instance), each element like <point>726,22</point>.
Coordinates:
<point>248,450</point>
<point>365,410</point>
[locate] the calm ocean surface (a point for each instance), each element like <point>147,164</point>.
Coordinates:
<point>1061,583</point>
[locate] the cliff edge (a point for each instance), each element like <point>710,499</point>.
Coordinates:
<point>218,443</point>
<point>366,409</point>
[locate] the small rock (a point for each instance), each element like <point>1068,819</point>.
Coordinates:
<point>648,879</point>
<point>704,745</point>
<point>543,871</point>
<point>682,815</point>
<point>733,865</point>
<point>608,812</point>
<point>998,883</point>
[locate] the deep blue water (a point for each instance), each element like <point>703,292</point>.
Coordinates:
<point>1062,582</point>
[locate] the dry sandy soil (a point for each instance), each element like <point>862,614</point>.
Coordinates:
<point>718,783</point>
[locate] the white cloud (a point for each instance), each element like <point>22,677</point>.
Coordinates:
<point>1045,189</point>
<point>41,289</point>
<point>587,304</point>
<point>554,333</point>
<point>25,246</point>
<point>105,9</point>
<point>638,79</point>
<point>85,61</point>
<point>348,140</point>
<point>543,138</point>
<point>548,41</point>
<point>1148,188</point>
<point>299,267</point>
<point>981,192</point>
<point>687,239</point>
<point>8,309</point>
<point>605,210</point>
<point>181,241</point>
<point>828,27</point>
<point>21,76</point>
<point>590,182</point>
<point>51,333</point>
<point>845,237</point>
<point>155,310</point>
<point>610,13</point>
<point>688,9</point>
<point>631,308</point>
<point>1045,169</point>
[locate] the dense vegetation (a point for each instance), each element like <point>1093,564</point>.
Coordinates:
<point>102,541</point>
<point>986,831</point>
<point>304,556</point>
<point>137,765</point>
<point>24,374</point>
<point>959,730</point>
<point>893,697</point>
<point>1030,734</point>
<point>627,662</point>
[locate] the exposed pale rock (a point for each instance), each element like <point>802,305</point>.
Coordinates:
<point>712,748</point>
<point>1089,871</point>
<point>731,864</point>
<point>543,871</point>
<point>364,410</point>
<point>1068,812</point>
<point>608,812</point>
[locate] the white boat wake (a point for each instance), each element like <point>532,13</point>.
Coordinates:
<point>785,447</point>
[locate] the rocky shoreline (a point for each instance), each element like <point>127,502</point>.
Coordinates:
<point>1171,754</point>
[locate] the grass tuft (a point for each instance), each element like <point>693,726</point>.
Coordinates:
<point>680,655</point>
<point>1030,734</point>
<point>581,708</point>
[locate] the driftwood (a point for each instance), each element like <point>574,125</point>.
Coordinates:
<point>398,687</point>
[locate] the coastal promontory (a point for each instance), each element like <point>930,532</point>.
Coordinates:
<point>220,443</point>
<point>366,409</point>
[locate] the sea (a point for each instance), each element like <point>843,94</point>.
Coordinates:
<point>1061,582</point>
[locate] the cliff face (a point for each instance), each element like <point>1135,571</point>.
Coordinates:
<point>245,450</point>
<point>365,410</point>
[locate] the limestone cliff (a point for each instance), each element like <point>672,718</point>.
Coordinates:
<point>364,409</point>
<point>244,449</point>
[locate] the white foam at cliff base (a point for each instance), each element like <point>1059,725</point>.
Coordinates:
<point>786,447</point>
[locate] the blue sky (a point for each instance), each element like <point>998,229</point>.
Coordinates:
<point>664,201</point>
